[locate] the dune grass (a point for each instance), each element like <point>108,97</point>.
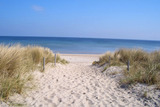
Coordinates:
<point>144,66</point>
<point>17,64</point>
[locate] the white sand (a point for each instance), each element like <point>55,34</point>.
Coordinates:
<point>78,84</point>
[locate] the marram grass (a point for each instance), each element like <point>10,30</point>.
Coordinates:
<point>144,66</point>
<point>16,65</point>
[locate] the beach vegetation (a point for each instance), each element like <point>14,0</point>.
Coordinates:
<point>144,66</point>
<point>16,66</point>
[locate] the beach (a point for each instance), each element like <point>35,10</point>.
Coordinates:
<point>79,84</point>
<point>80,53</point>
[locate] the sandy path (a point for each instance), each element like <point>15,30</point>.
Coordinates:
<point>78,84</point>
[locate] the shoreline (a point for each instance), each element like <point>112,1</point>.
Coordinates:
<point>85,55</point>
<point>80,58</point>
<point>83,46</point>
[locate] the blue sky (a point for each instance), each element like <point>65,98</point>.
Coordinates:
<point>124,19</point>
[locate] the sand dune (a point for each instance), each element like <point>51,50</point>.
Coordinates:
<point>77,84</point>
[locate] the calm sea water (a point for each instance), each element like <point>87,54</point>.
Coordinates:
<point>81,45</point>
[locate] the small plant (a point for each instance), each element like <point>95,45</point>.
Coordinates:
<point>113,73</point>
<point>145,95</point>
<point>94,63</point>
<point>105,68</point>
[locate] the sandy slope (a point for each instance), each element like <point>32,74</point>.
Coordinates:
<point>77,84</point>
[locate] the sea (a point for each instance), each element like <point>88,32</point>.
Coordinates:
<point>71,45</point>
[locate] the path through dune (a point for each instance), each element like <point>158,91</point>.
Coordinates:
<point>78,84</point>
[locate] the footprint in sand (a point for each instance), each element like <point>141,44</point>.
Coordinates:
<point>57,100</point>
<point>48,100</point>
<point>49,87</point>
<point>52,95</point>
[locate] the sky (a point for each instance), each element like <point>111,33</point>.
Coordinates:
<point>120,19</point>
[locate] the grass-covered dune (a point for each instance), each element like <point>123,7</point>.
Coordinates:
<point>144,66</point>
<point>16,65</point>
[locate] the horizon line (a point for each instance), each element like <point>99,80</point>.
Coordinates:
<point>86,38</point>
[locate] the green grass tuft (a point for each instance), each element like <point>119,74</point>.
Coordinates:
<point>15,64</point>
<point>144,66</point>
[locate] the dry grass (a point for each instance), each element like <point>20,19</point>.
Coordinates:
<point>16,64</point>
<point>145,67</point>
